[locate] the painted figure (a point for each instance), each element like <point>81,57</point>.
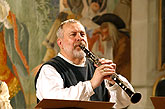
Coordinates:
<point>4,96</point>
<point>15,40</point>
<point>111,42</point>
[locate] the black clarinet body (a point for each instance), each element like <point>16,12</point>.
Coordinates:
<point>134,97</point>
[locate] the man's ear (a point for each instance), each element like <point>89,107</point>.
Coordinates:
<point>59,42</point>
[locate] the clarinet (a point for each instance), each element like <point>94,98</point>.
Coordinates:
<point>134,97</point>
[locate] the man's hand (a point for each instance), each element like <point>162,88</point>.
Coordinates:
<point>103,72</point>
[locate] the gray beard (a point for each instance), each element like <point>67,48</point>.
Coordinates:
<point>76,54</point>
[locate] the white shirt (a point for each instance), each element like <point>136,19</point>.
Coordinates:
<point>50,85</point>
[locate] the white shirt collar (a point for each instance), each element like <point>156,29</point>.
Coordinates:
<point>82,65</point>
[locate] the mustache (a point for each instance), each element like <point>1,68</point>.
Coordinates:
<point>79,43</point>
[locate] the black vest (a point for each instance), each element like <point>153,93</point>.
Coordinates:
<point>71,75</point>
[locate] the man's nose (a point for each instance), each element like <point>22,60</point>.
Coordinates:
<point>79,37</point>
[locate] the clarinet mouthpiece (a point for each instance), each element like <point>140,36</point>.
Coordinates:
<point>82,46</point>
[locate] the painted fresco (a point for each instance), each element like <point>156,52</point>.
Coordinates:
<point>23,26</point>
<point>28,38</point>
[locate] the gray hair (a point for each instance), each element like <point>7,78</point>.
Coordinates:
<point>60,28</point>
<point>113,32</point>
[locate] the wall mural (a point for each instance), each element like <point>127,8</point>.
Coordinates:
<point>28,38</point>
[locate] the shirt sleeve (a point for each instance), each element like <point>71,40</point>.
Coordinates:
<point>50,86</point>
<point>118,95</point>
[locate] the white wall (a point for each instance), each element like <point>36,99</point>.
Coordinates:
<point>144,49</point>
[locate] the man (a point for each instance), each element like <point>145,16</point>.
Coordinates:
<point>72,76</point>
